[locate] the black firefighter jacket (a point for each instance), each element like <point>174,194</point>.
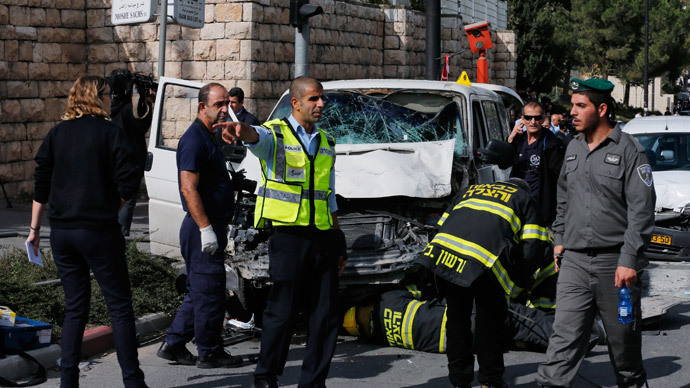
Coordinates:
<point>491,227</point>
<point>553,152</point>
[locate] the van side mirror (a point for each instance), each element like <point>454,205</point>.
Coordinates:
<point>667,155</point>
<point>498,152</point>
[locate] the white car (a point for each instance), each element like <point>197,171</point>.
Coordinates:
<point>667,140</point>
<point>404,149</point>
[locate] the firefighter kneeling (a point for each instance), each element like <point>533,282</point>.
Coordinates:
<point>489,244</point>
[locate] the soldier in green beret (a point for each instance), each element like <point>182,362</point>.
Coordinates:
<point>604,219</point>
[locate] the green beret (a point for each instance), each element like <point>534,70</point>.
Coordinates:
<point>593,84</point>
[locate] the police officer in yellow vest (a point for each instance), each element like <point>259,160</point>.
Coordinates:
<point>306,250</point>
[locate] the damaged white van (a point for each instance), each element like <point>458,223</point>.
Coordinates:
<point>404,149</point>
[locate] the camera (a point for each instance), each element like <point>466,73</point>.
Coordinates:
<point>122,83</point>
<point>241,183</point>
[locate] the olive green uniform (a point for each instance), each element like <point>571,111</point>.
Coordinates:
<point>605,216</point>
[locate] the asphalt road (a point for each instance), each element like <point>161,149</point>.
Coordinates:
<point>357,364</point>
<point>666,350</point>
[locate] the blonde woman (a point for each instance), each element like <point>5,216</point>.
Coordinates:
<point>86,170</point>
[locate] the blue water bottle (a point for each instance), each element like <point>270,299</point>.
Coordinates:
<point>624,305</point>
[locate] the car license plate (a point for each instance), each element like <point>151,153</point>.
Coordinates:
<point>659,239</point>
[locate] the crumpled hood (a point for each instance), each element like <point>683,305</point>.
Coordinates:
<point>672,189</point>
<point>421,170</point>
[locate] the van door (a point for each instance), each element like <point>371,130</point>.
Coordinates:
<point>174,112</point>
<point>479,140</point>
<point>496,125</point>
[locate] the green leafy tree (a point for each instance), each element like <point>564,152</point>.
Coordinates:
<point>669,44</point>
<point>543,40</point>
<point>607,34</point>
<point>609,37</point>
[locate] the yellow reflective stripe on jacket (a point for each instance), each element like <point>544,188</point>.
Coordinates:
<point>501,274</point>
<point>279,159</point>
<point>442,219</point>
<point>495,208</point>
<point>319,195</point>
<point>414,291</point>
<point>442,340</point>
<point>280,195</point>
<point>408,319</point>
<point>465,247</point>
<point>543,273</point>
<point>545,303</point>
<point>485,257</point>
<point>535,231</point>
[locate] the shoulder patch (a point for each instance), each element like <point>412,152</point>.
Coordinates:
<point>613,159</point>
<point>645,173</point>
<point>570,158</point>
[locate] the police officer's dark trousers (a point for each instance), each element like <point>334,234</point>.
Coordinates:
<point>586,285</point>
<point>75,251</point>
<point>305,277</point>
<point>489,338</point>
<point>203,308</point>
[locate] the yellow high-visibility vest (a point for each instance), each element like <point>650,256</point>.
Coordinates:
<point>297,190</point>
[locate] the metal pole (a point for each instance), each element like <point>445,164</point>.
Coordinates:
<point>482,68</point>
<point>646,56</point>
<point>162,37</point>
<point>433,38</point>
<point>302,50</point>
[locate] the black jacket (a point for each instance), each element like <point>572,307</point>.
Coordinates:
<point>84,167</point>
<point>553,152</point>
<point>136,124</point>
<point>494,227</point>
<point>401,311</point>
<point>246,117</point>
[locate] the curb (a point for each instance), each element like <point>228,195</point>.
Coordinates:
<point>96,341</point>
<point>100,339</point>
<point>15,367</point>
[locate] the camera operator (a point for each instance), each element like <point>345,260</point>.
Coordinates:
<point>133,113</point>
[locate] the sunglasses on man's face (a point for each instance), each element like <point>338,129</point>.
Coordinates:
<point>529,118</point>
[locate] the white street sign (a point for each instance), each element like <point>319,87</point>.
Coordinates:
<point>133,11</point>
<point>188,13</point>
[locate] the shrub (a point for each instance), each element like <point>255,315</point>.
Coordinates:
<point>152,278</point>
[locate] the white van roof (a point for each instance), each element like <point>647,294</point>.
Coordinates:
<point>655,124</point>
<point>405,84</point>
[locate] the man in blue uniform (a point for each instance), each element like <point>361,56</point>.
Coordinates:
<point>306,251</point>
<point>604,219</point>
<point>207,196</point>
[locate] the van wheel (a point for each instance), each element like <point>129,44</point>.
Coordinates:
<point>252,299</point>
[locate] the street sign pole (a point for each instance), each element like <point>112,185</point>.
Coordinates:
<point>302,50</point>
<point>162,38</point>
<point>300,12</point>
<point>188,13</point>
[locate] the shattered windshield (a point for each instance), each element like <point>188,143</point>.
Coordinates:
<point>667,151</point>
<point>394,117</point>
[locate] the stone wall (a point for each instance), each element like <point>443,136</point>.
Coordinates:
<point>46,44</point>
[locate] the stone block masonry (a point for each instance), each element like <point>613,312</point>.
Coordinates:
<point>46,44</point>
